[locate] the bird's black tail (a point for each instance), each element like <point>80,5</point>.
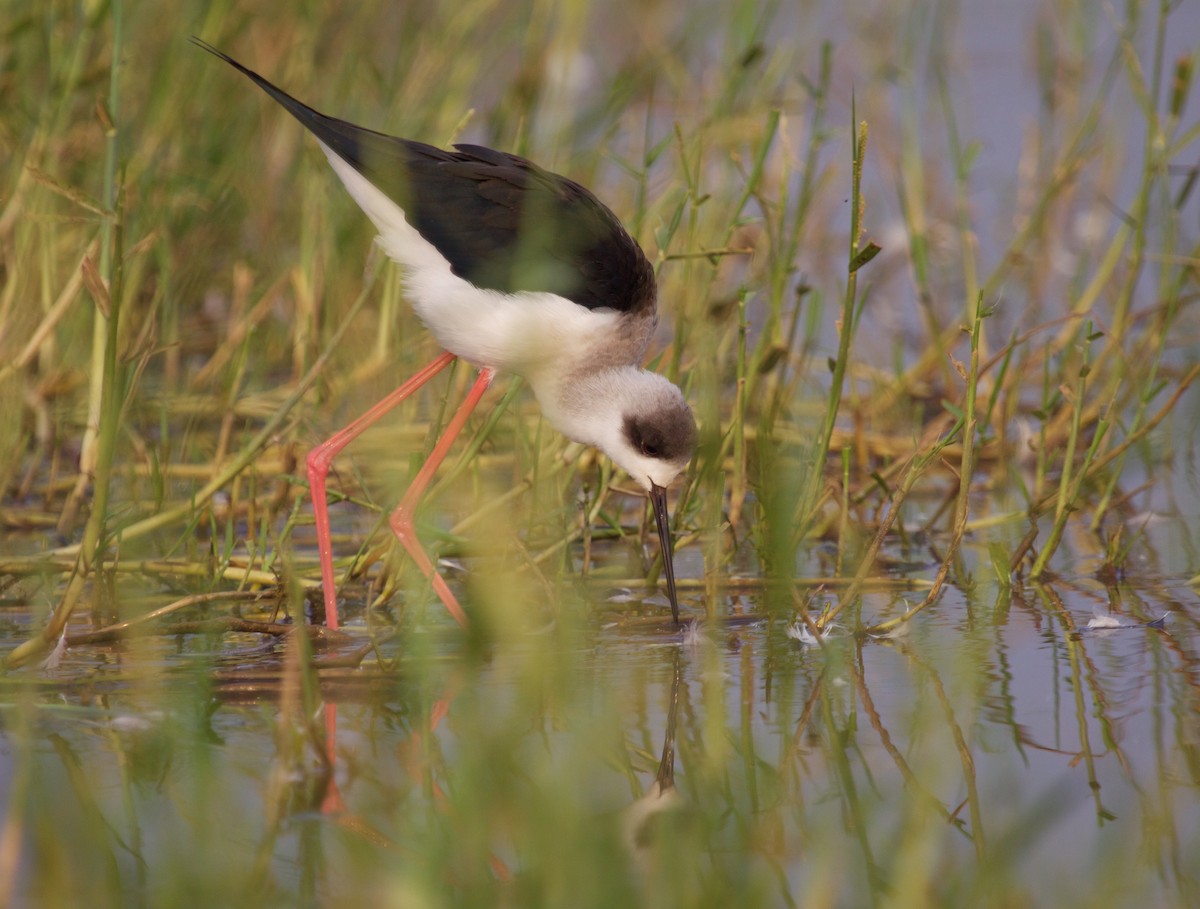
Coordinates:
<point>345,139</point>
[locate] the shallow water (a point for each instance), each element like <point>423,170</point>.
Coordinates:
<point>998,749</point>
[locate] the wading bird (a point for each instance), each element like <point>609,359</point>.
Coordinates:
<point>513,269</point>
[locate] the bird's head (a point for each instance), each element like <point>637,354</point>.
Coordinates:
<point>657,438</point>
<point>637,418</point>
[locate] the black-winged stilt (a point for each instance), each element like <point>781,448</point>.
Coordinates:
<point>512,268</point>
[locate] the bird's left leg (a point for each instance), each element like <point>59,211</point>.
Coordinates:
<point>402,518</point>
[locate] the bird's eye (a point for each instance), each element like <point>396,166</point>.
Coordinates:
<point>647,440</point>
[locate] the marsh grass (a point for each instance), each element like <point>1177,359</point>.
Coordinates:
<point>188,301</point>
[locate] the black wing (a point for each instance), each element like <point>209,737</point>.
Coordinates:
<point>501,221</point>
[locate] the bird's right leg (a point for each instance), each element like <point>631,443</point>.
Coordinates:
<point>320,460</point>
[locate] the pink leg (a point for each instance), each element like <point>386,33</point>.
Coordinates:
<point>402,517</point>
<point>320,459</point>
<point>331,801</point>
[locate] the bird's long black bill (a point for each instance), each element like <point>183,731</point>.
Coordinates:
<point>658,498</point>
